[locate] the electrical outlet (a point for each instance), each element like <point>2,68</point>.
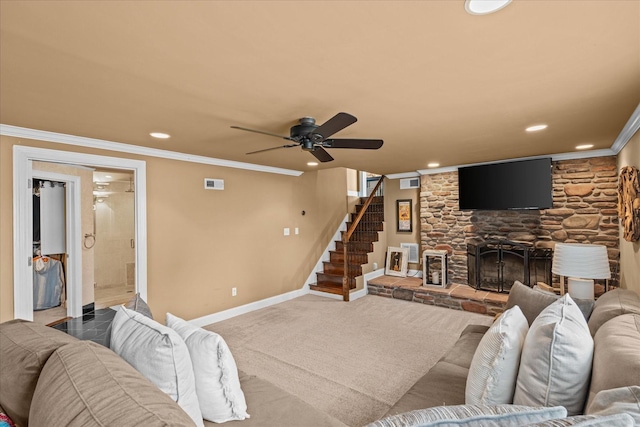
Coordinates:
<point>287,231</point>
<point>296,230</point>
<point>234,292</point>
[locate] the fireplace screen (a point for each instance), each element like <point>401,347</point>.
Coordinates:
<point>495,264</point>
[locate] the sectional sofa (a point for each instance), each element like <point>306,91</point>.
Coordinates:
<point>50,378</point>
<point>614,323</point>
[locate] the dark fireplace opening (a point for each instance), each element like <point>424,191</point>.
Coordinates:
<point>494,265</point>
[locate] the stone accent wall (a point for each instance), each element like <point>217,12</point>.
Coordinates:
<point>454,298</point>
<point>584,211</point>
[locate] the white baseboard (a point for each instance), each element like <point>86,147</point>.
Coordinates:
<point>247,308</point>
<point>257,305</point>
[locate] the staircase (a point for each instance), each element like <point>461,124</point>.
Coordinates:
<point>358,247</point>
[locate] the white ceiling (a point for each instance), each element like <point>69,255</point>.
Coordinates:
<point>435,83</point>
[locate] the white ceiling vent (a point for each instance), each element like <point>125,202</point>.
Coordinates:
<point>414,252</point>
<point>407,183</point>
<point>213,184</point>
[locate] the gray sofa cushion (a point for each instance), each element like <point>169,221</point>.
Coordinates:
<point>463,350</point>
<point>86,384</point>
<point>612,304</point>
<point>533,301</point>
<point>445,383</point>
<point>25,347</point>
<point>616,358</point>
<point>270,406</point>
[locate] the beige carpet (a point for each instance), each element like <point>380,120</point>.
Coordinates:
<point>351,360</point>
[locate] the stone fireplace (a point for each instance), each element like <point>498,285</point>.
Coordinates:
<point>584,211</point>
<point>495,265</point>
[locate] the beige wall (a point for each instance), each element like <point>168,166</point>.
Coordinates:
<point>201,243</point>
<point>392,192</point>
<point>630,251</point>
<point>86,221</point>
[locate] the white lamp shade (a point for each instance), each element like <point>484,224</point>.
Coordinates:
<point>581,261</point>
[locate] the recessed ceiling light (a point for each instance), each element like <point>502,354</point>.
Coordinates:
<point>312,163</point>
<point>483,7</point>
<point>160,135</point>
<point>433,165</point>
<point>584,146</point>
<point>535,128</point>
<point>108,176</point>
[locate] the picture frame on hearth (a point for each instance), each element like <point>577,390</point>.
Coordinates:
<point>397,261</point>
<point>404,215</point>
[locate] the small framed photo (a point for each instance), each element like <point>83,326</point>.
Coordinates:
<point>404,211</point>
<point>397,261</point>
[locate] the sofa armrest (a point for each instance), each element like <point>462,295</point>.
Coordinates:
<point>25,347</point>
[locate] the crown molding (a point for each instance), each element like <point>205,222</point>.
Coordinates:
<point>81,141</point>
<point>554,157</point>
<point>629,129</point>
<point>403,175</point>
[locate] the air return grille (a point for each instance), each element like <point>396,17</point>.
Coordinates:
<point>414,252</point>
<point>213,184</point>
<point>407,183</point>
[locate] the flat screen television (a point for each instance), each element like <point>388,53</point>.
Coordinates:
<point>525,184</point>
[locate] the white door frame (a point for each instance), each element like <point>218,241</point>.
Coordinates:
<point>73,238</point>
<point>23,219</point>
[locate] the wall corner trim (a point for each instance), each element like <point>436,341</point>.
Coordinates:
<point>60,138</point>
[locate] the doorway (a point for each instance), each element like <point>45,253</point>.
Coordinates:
<point>113,238</point>
<point>23,224</point>
<point>56,230</point>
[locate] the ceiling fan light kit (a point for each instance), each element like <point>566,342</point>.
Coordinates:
<point>484,7</point>
<point>314,138</point>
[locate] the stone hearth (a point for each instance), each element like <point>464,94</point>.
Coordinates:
<point>456,297</point>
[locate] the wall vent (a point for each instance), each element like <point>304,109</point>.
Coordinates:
<point>213,184</point>
<point>414,252</point>
<point>407,183</point>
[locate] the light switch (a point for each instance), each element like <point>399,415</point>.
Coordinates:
<point>287,231</point>
<point>296,230</point>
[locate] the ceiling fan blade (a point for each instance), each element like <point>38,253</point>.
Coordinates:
<point>333,125</point>
<point>262,132</point>
<point>363,144</point>
<point>321,154</point>
<point>273,148</point>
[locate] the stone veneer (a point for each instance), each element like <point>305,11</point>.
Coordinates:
<point>457,297</point>
<point>584,211</point>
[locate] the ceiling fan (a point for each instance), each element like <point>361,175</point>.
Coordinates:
<point>313,138</point>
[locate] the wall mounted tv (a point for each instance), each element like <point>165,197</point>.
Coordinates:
<point>525,184</point>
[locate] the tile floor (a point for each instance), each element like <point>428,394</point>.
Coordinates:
<point>92,326</point>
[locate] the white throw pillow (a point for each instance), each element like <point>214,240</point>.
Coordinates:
<point>555,366</point>
<point>472,416</point>
<point>494,368</point>
<point>217,383</point>
<point>158,353</point>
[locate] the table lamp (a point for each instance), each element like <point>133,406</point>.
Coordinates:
<point>581,263</point>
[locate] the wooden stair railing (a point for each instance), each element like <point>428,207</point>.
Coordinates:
<point>346,237</point>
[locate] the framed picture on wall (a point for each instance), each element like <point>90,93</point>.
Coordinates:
<point>404,210</point>
<point>397,261</point>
